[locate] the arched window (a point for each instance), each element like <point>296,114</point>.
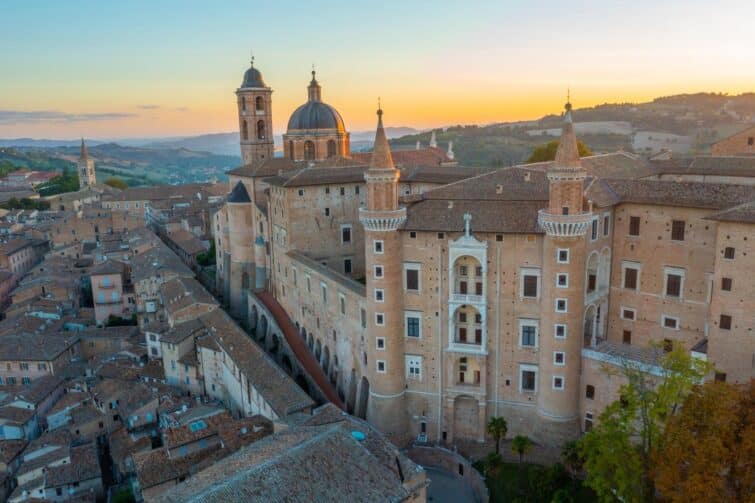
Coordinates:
<point>291,149</point>
<point>260,130</point>
<point>259,104</point>
<point>331,148</point>
<point>244,130</point>
<point>243,103</point>
<point>309,150</point>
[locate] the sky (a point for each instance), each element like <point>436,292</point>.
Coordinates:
<point>169,68</point>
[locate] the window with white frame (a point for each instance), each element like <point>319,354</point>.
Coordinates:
<point>324,289</point>
<point>380,319</point>
<point>630,275</point>
<point>413,324</point>
<point>628,313</point>
<point>528,333</point>
<point>529,286</point>
<point>378,271</point>
<point>380,343</point>
<point>379,295</point>
<point>562,306</point>
<point>562,255</point>
<point>562,280</point>
<point>559,358</point>
<point>674,282</point>
<point>413,367</point>
<point>606,224</point>
<point>377,246</point>
<point>559,331</point>
<point>670,322</point>
<point>381,366</point>
<point>345,233</point>
<point>528,378</point>
<point>594,229</point>
<point>558,382</point>
<point>412,277</point>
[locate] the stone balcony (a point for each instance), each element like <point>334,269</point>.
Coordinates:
<point>464,298</point>
<point>564,225</point>
<point>382,221</point>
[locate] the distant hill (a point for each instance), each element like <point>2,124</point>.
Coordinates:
<point>216,143</point>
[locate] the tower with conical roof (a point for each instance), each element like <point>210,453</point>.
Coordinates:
<point>381,218</point>
<point>254,99</point>
<point>565,223</point>
<point>87,177</point>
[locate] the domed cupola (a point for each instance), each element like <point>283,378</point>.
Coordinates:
<point>252,78</point>
<point>315,130</point>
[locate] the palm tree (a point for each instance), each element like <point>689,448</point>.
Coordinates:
<point>497,429</point>
<point>521,445</point>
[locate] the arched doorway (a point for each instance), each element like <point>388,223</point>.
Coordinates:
<point>364,395</point>
<point>351,399</point>
<point>466,420</point>
<point>326,360</point>
<point>467,325</point>
<point>286,364</point>
<point>274,344</point>
<point>310,342</point>
<point>309,150</point>
<point>262,332</point>
<point>589,327</point>
<point>468,276</point>
<point>318,350</point>
<point>260,130</point>
<point>591,281</point>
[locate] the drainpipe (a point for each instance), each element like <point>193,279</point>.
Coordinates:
<point>440,344</point>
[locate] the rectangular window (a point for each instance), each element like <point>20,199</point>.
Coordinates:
<point>725,322</point>
<point>606,224</point>
<point>562,306</point>
<point>558,382</point>
<point>559,331</point>
<point>530,283</point>
<point>674,282</point>
<point>377,246</point>
<point>729,253</point>
<point>413,324</point>
<point>677,230</point>
<point>380,343</point>
<point>379,295</point>
<point>378,271</point>
<point>528,378</point>
<point>720,377</point>
<point>345,233</point>
<point>478,288</point>
<point>441,235</point>
<point>528,333</point>
<point>594,229</point>
<point>324,290</point>
<point>327,212</point>
<point>363,317</point>
<point>670,322</point>
<point>590,392</point>
<point>726,284</point>
<point>381,366</point>
<point>631,273</point>
<point>588,421</point>
<point>413,367</point>
<point>634,226</point>
<point>559,358</point>
<point>379,319</point>
<point>411,277</point>
<point>626,337</point>
<point>342,191</point>
<point>342,300</point>
<point>562,280</point>
<point>413,235</point>
<point>562,255</point>
<point>347,266</point>
<point>463,270</point>
<point>628,313</point>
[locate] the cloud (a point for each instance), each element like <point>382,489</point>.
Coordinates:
<point>43,116</point>
<point>148,107</point>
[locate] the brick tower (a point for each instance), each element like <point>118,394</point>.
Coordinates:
<point>255,117</point>
<point>565,222</point>
<point>381,219</point>
<point>87,177</point>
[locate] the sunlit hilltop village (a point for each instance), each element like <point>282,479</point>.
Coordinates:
<point>332,325</point>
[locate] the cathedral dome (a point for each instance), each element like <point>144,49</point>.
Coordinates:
<point>252,78</point>
<point>315,114</point>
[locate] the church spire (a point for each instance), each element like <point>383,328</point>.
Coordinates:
<point>381,152</point>
<point>314,91</point>
<point>84,155</point>
<point>567,154</point>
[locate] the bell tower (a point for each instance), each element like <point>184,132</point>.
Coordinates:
<point>381,218</point>
<point>254,101</point>
<point>565,223</point>
<point>87,177</point>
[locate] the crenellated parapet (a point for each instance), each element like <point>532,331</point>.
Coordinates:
<point>564,226</point>
<point>382,221</point>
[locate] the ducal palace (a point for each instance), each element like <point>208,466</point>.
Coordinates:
<point>426,296</point>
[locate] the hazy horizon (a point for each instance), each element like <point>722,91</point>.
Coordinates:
<point>97,70</point>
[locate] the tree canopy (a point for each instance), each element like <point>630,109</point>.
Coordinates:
<point>116,183</point>
<point>547,151</point>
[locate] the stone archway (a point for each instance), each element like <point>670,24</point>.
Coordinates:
<point>351,399</point>
<point>364,396</point>
<point>326,360</point>
<point>466,420</point>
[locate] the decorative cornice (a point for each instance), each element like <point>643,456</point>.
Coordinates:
<point>382,221</point>
<point>564,225</point>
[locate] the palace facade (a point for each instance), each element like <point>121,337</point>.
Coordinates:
<point>435,296</point>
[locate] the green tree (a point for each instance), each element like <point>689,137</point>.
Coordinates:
<point>521,445</point>
<point>497,428</point>
<point>572,459</point>
<point>547,151</point>
<point>116,183</point>
<point>618,451</point>
<point>207,258</point>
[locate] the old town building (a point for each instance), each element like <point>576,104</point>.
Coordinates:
<point>435,297</point>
